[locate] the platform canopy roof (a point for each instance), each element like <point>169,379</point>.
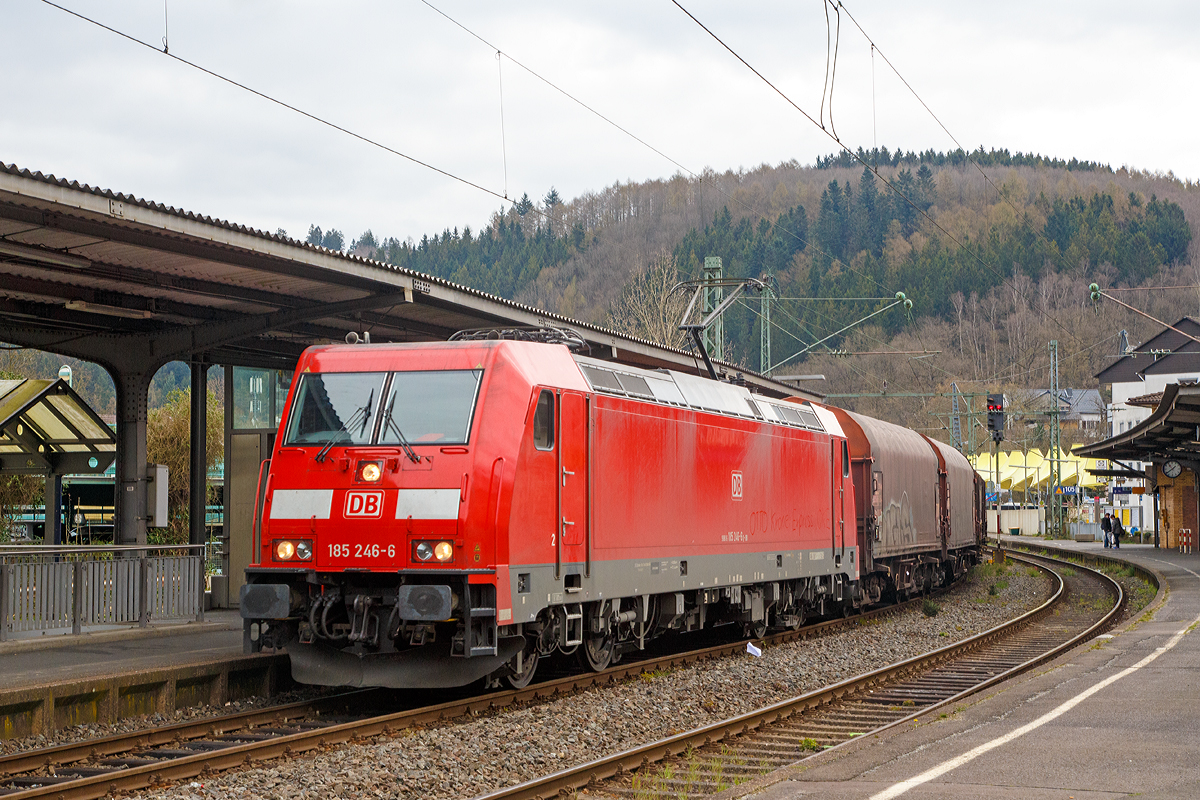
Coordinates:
<point>77,262</point>
<point>46,428</point>
<point>1171,432</point>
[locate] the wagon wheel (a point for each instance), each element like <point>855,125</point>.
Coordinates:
<point>755,630</point>
<point>529,663</point>
<point>598,651</point>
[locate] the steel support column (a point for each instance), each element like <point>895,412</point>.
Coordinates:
<point>197,532</point>
<point>131,456</point>
<point>53,534</point>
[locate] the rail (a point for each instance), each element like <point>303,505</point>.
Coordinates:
<point>85,784</point>
<point>221,748</point>
<point>45,588</point>
<point>876,683</point>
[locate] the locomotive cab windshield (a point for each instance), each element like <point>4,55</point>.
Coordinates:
<point>325,400</point>
<point>434,407</point>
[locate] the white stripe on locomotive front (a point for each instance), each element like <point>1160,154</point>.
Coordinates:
<point>301,503</point>
<point>427,503</point>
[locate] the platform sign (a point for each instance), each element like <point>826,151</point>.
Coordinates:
<point>1067,490</point>
<point>1122,490</point>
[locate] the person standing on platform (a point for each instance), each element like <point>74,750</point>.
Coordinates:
<point>1106,526</point>
<point>1117,531</point>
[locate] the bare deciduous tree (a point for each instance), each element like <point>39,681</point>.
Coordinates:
<point>647,308</point>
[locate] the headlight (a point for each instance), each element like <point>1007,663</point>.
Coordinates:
<point>369,471</point>
<point>441,552</point>
<point>293,550</point>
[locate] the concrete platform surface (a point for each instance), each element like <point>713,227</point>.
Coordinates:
<point>1115,717</point>
<point>55,658</point>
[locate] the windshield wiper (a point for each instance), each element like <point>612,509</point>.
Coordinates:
<point>362,414</point>
<point>390,423</point>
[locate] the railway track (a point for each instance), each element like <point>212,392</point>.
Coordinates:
<point>715,758</point>
<point>155,756</point>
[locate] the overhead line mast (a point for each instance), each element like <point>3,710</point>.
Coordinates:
<point>1056,507</point>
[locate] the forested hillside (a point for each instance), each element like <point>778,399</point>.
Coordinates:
<point>995,249</point>
<point>863,243</point>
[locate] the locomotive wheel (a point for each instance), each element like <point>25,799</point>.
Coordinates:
<point>598,652</point>
<point>529,663</point>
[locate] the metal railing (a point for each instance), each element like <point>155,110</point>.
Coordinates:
<point>214,557</point>
<point>46,588</point>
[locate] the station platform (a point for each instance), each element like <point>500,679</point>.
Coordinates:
<point>101,676</point>
<point>1114,717</point>
<point>31,659</point>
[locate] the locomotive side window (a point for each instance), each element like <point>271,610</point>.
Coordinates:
<point>665,391</point>
<point>809,417</point>
<point>634,384</point>
<point>768,411</point>
<point>543,421</point>
<point>790,414</point>
<point>430,407</point>
<point>845,459</point>
<point>601,379</point>
<point>333,405</point>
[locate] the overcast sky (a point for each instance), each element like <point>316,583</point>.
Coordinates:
<point>1105,81</point>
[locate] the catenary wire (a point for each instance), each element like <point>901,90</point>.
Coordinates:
<point>1150,288</point>
<point>426,164</point>
<point>919,99</point>
<point>501,196</point>
<point>289,106</point>
<point>875,379</point>
<point>998,376</point>
<point>825,85</point>
<point>503,141</point>
<point>837,40</point>
<point>855,155</point>
<point>700,177</point>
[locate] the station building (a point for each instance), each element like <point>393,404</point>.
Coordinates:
<point>1155,427</point>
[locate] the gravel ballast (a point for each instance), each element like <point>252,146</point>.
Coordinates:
<point>463,758</point>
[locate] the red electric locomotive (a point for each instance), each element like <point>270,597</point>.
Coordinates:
<point>434,514</point>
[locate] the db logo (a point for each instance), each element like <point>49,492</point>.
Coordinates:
<point>364,504</point>
<point>737,486</point>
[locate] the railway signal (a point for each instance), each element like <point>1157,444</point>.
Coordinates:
<point>995,417</point>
